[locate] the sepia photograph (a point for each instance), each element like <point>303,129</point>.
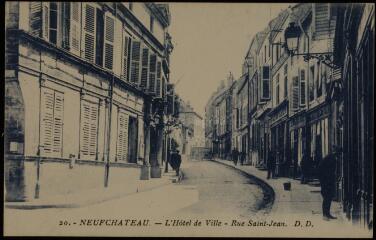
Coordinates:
<point>167,119</point>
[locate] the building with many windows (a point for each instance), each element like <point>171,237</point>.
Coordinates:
<point>84,81</point>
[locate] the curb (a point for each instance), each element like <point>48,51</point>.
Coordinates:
<point>268,191</point>
<point>30,206</point>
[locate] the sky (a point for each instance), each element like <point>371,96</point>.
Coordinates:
<point>210,40</point>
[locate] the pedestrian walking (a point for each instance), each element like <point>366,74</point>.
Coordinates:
<point>271,164</point>
<point>235,156</point>
<point>326,173</point>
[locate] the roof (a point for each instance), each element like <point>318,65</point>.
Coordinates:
<point>300,11</point>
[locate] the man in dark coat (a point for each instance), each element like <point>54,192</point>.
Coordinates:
<point>326,172</point>
<point>235,156</point>
<point>176,161</point>
<point>271,164</point>
<point>305,165</point>
<point>242,158</point>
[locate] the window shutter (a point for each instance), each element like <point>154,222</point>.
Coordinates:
<point>125,75</point>
<point>58,123</point>
<point>89,126</point>
<point>321,18</point>
<point>75,27</point>
<point>302,88</point>
<point>295,93</point>
<point>36,18</point>
<point>135,61</point>
<point>145,68</point>
<point>122,142</point>
<point>109,35</point>
<point>89,32</point>
<point>46,20</point>
<point>265,83</point>
<point>47,121</point>
<point>152,69</point>
<point>158,82</point>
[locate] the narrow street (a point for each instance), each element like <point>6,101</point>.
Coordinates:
<point>223,191</point>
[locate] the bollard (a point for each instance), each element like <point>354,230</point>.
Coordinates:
<point>72,160</point>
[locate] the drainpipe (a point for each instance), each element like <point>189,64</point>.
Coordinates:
<point>40,148</point>
<point>107,165</point>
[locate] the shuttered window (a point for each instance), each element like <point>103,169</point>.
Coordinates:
<point>89,32</point>
<point>145,68</point>
<point>75,27</point>
<point>52,113</point>
<point>277,89</point>
<point>302,87</point>
<point>46,20</point>
<point>122,139</point>
<point>125,70</point>
<point>109,41</point>
<point>53,22</point>
<point>265,83</point>
<point>295,93</point>
<point>35,18</point>
<point>152,73</point>
<point>158,82</point>
<point>135,62</point>
<point>89,130</point>
<point>321,18</point>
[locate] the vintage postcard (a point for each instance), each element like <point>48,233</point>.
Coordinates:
<point>189,119</point>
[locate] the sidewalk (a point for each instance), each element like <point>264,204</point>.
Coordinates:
<point>97,195</point>
<point>303,199</point>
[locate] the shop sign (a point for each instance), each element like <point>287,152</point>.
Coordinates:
<point>297,122</point>
<point>278,115</point>
<point>320,113</point>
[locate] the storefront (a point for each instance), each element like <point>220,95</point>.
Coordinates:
<point>297,130</point>
<point>318,134</point>
<point>279,139</point>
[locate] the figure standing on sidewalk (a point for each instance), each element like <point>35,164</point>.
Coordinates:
<point>305,165</point>
<point>326,172</point>
<point>242,158</point>
<point>235,156</point>
<point>176,161</point>
<point>271,164</point>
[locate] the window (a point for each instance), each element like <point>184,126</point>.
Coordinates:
<point>126,44</point>
<point>89,32</point>
<point>75,27</point>
<point>144,67</point>
<point>265,87</point>
<point>265,53</point>
<point>285,82</point>
<point>277,90</point>
<point>65,19</point>
<point>302,87</point>
<point>53,22</point>
<point>311,83</point>
<point>122,138</point>
<point>135,61</point>
<point>52,117</point>
<point>295,93</point>
<point>99,38</point>
<point>89,130</point>
<point>152,72</point>
<point>109,41</point>
<point>131,6</point>
<point>158,78</point>
<point>318,81</point>
<point>151,24</point>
